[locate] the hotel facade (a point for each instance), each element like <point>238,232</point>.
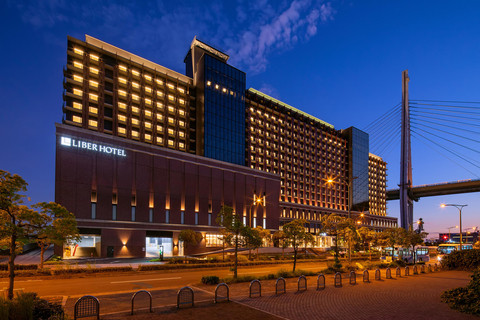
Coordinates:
<point>144,152</point>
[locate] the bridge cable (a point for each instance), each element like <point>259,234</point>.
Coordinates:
<point>453,134</point>
<point>445,120</point>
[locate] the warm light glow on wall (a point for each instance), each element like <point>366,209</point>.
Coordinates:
<point>77,64</point>
<point>78,51</point>
<point>77,78</point>
<point>77,105</point>
<point>94,70</point>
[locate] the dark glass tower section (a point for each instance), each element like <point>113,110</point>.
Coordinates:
<point>220,104</point>
<point>358,149</point>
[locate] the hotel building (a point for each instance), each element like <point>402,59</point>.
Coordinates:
<point>144,152</point>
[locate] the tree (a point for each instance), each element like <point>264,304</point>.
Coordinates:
<point>366,237</point>
<point>190,237</point>
<point>53,224</point>
<point>233,228</point>
<point>336,226</point>
<point>280,237</point>
<point>15,220</point>
<point>265,235</point>
<point>252,239</point>
<point>411,239</point>
<point>296,236</point>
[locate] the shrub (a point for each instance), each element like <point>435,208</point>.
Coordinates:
<point>466,299</point>
<point>210,280</point>
<point>27,306</point>
<point>4,267</point>
<point>465,260</point>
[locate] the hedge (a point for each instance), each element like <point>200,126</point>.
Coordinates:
<point>464,260</point>
<point>4,267</point>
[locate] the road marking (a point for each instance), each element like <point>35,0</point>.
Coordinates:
<point>143,280</point>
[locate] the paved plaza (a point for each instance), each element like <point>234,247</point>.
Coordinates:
<point>412,297</point>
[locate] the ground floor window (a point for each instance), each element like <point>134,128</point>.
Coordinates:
<point>88,246</point>
<point>155,245</point>
<point>213,240</point>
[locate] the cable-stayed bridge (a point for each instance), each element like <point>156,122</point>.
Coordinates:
<point>450,129</point>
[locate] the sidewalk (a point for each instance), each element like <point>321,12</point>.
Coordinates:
<point>412,297</point>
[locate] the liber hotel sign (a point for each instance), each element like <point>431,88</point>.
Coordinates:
<point>93,146</point>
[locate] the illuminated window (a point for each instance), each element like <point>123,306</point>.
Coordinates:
<point>77,119</point>
<point>171,109</point>
<point>135,85</point>
<point>135,121</point>
<point>93,96</point>
<point>148,89</point>
<point>77,64</point>
<point>135,72</point>
<point>148,101</point>
<point>93,83</point>
<point>181,101</point>
<point>159,106</point>
<point>216,86</point>
<point>94,57</point>
<point>148,137</point>
<point>171,131</point>
<point>170,86</point>
<point>159,140</point>
<point>171,98</point>
<point>78,51</point>
<point>92,123</point>
<point>160,93</point>
<point>93,110</point>
<point>209,83</point>
<point>159,128</point>
<point>122,118</point>
<point>77,92</point>
<point>122,93</point>
<point>148,125</point>
<point>122,67</point>
<point>135,134</point>
<point>77,78</point>
<point>148,77</point>
<point>122,80</point>
<point>77,105</point>
<point>122,130</point>
<point>181,134</point>
<point>171,120</point>
<point>171,143</point>
<point>181,145</point>
<point>181,90</point>
<point>159,117</point>
<point>148,113</point>
<point>181,123</point>
<point>181,112</point>
<point>135,110</point>
<point>135,97</point>
<point>122,106</point>
<point>159,82</point>
<point>93,70</point>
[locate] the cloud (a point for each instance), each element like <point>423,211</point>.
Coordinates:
<point>250,31</point>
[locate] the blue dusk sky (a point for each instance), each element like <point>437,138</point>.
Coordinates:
<point>340,61</point>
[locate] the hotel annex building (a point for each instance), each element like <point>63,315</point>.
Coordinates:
<point>144,152</point>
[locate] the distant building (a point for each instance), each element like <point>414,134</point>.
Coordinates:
<point>467,237</point>
<point>144,152</point>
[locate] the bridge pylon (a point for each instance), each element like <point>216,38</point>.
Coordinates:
<point>406,200</point>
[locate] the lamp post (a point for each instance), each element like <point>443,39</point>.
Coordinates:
<point>459,207</point>
<point>347,182</point>
<point>449,237</point>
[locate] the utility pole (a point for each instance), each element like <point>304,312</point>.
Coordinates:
<point>406,202</point>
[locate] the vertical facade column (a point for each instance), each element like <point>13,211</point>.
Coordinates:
<point>406,202</point>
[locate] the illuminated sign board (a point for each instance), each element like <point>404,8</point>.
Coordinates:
<point>93,146</point>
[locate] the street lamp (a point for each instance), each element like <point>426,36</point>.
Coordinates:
<point>449,237</point>
<point>347,182</point>
<point>459,207</point>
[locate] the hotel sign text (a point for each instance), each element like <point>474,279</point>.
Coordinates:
<point>93,146</point>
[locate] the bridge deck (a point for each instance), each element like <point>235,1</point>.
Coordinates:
<point>455,187</point>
